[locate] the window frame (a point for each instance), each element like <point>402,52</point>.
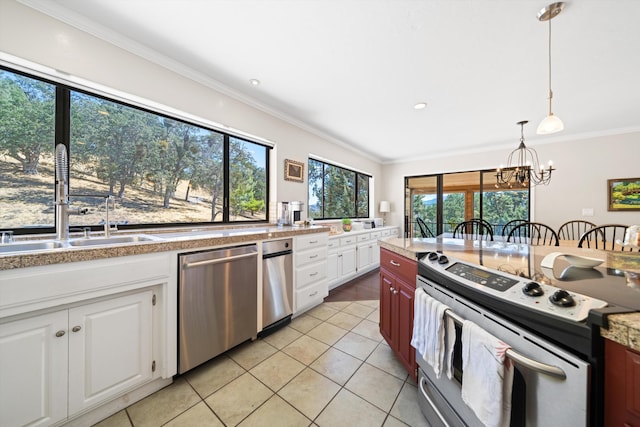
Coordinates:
<point>357,175</point>
<point>62,134</point>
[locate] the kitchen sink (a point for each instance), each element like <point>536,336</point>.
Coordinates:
<point>102,241</point>
<point>30,246</point>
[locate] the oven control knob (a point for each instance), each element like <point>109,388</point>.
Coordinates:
<point>562,298</point>
<point>433,256</point>
<point>443,260</point>
<point>532,289</point>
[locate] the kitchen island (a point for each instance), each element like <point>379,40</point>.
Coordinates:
<point>614,281</point>
<point>623,268</point>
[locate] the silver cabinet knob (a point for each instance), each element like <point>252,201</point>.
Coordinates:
<point>76,328</point>
<point>60,333</point>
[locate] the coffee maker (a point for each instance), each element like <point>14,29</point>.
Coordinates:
<point>289,212</point>
<point>296,209</point>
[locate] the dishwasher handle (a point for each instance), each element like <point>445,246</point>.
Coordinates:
<point>218,260</point>
<point>276,254</point>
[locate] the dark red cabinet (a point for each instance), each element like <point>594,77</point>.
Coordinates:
<point>397,292</point>
<point>621,385</point>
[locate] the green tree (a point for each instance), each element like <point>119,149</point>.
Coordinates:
<point>113,139</point>
<point>27,119</point>
<point>244,174</point>
<point>208,171</point>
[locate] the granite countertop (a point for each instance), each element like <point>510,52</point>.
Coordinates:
<point>166,240</point>
<point>623,328</point>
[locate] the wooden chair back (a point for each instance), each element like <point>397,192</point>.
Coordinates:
<point>472,229</point>
<point>533,233</point>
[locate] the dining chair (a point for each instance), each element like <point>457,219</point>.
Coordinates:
<point>606,237</point>
<point>574,229</point>
<point>424,228</point>
<point>509,226</point>
<point>472,229</point>
<point>533,233</point>
<point>485,222</point>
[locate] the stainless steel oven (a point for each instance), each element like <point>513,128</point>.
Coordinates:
<point>550,385</point>
<point>554,345</point>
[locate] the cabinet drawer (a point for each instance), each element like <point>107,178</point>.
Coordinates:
<point>376,235</point>
<point>344,241</point>
<point>311,295</point>
<point>363,237</point>
<point>310,256</point>
<point>333,243</point>
<point>399,265</point>
<point>311,241</point>
<point>385,233</point>
<point>311,273</point>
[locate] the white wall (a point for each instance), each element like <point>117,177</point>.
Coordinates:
<point>580,181</point>
<point>31,35</point>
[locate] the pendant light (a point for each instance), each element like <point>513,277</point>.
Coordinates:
<point>523,167</point>
<point>551,123</point>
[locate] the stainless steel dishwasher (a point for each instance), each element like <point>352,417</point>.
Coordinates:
<point>217,302</point>
<point>277,284</point>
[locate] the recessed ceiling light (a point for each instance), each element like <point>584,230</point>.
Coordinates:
<point>420,106</point>
<point>254,82</point>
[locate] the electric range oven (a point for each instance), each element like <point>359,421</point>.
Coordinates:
<point>550,317</point>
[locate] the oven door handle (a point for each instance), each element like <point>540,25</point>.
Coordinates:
<point>540,367</point>
<point>430,402</point>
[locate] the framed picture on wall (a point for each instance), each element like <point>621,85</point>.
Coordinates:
<point>624,194</point>
<point>293,171</point>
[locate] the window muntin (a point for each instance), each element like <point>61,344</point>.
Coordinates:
<point>336,192</point>
<point>27,135</point>
<point>161,170</point>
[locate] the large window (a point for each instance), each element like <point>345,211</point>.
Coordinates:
<point>444,200</point>
<point>336,192</point>
<point>161,170</point>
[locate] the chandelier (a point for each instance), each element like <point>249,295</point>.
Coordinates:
<point>523,168</point>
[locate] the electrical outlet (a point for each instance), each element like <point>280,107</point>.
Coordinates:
<point>587,211</point>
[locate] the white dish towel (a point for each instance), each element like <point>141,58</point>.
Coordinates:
<point>487,375</point>
<point>429,331</point>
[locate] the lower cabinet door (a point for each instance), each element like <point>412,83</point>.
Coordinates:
<point>110,348</point>
<point>407,354</point>
<point>33,370</point>
<point>387,283</point>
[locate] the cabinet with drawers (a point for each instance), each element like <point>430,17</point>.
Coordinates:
<point>397,291</point>
<point>354,253</point>
<point>310,271</point>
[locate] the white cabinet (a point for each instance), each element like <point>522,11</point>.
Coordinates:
<point>354,253</point>
<point>310,275</point>
<point>55,365</point>
<point>33,370</point>
<point>368,251</point>
<point>110,348</point>
<point>342,259</point>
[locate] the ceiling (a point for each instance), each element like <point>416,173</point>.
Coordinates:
<point>352,70</point>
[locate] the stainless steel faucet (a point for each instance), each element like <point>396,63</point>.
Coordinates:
<point>107,226</point>
<point>63,210</point>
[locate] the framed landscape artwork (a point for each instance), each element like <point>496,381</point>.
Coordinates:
<point>624,194</point>
<point>293,171</point>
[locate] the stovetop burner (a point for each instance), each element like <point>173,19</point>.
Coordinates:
<point>523,292</point>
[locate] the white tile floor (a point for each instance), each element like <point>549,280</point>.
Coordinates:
<point>329,367</point>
